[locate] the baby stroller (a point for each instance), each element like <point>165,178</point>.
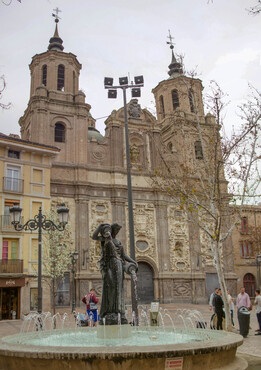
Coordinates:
<point>82,319</point>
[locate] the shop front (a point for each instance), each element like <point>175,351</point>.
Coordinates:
<point>10,298</point>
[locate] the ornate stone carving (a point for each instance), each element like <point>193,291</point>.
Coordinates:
<point>178,240</point>
<point>144,224</point>
<point>182,289</point>
<point>206,252</point>
<point>134,109</point>
<point>100,211</point>
<point>99,153</point>
<point>134,154</point>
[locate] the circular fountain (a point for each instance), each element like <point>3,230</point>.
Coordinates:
<point>50,342</point>
<point>61,344</point>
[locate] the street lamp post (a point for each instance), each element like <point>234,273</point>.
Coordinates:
<point>258,262</point>
<point>74,257</point>
<point>112,93</point>
<point>41,223</point>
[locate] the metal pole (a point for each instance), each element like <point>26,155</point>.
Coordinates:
<point>134,302</point>
<point>258,274</point>
<point>40,261</point>
<point>73,287</point>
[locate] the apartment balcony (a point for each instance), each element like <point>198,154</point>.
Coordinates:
<point>13,185</point>
<point>5,223</point>
<point>11,266</point>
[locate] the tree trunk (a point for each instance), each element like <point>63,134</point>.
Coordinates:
<point>223,286</point>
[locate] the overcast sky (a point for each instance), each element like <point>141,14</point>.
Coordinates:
<point>115,38</point>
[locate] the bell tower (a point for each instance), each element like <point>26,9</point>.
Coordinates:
<point>57,113</point>
<point>179,95</point>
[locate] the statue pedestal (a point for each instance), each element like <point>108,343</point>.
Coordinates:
<point>113,331</point>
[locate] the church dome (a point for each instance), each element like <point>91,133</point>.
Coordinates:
<point>93,133</point>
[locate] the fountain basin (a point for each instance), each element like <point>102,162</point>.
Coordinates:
<point>204,349</point>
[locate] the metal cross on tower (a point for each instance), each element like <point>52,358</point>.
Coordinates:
<point>56,10</point>
<point>170,42</point>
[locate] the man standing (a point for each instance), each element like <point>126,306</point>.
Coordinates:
<point>211,299</point>
<point>91,306</point>
<point>218,305</point>
<point>243,304</point>
<point>243,299</point>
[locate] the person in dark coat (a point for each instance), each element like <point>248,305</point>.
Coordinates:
<point>219,304</point>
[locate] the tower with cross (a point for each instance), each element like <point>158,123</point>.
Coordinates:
<point>55,83</point>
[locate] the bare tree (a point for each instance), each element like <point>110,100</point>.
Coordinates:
<point>256,9</point>
<point>2,88</point>
<point>198,184</point>
<point>8,2</point>
<point>57,248</point>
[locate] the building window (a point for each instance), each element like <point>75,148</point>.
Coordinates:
<point>62,296</point>
<point>6,221</point>
<point>60,77</point>
<point>13,154</point>
<point>175,99</point>
<point>44,75</point>
<point>12,180</point>
<point>250,284</point>
<point>59,134</point>
<point>10,249</point>
<point>244,225</point>
<point>191,101</point>
<point>198,150</point>
<point>162,108</point>
<point>33,299</point>
<point>246,249</point>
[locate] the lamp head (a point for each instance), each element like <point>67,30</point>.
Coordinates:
<point>63,213</point>
<point>15,212</point>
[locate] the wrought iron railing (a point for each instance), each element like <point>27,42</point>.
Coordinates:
<point>13,184</point>
<point>11,266</point>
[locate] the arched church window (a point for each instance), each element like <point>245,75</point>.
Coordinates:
<point>59,133</point>
<point>191,101</point>
<point>162,108</point>
<point>249,284</point>
<point>44,75</point>
<point>60,77</point>
<point>175,99</point>
<point>198,150</point>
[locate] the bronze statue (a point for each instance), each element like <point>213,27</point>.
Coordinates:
<point>112,266</point>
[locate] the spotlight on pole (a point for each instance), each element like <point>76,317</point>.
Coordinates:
<point>112,94</point>
<point>123,81</point>
<point>135,93</point>
<point>139,80</point>
<point>108,81</point>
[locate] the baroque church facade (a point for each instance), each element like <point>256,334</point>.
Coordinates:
<point>89,175</point>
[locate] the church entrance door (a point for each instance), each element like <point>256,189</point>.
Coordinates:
<point>145,284</point>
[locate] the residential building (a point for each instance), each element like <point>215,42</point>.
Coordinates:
<point>246,240</point>
<point>25,170</point>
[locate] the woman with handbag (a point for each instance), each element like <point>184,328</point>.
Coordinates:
<point>91,306</point>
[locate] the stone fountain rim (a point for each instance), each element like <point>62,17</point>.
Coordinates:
<point>222,341</point>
